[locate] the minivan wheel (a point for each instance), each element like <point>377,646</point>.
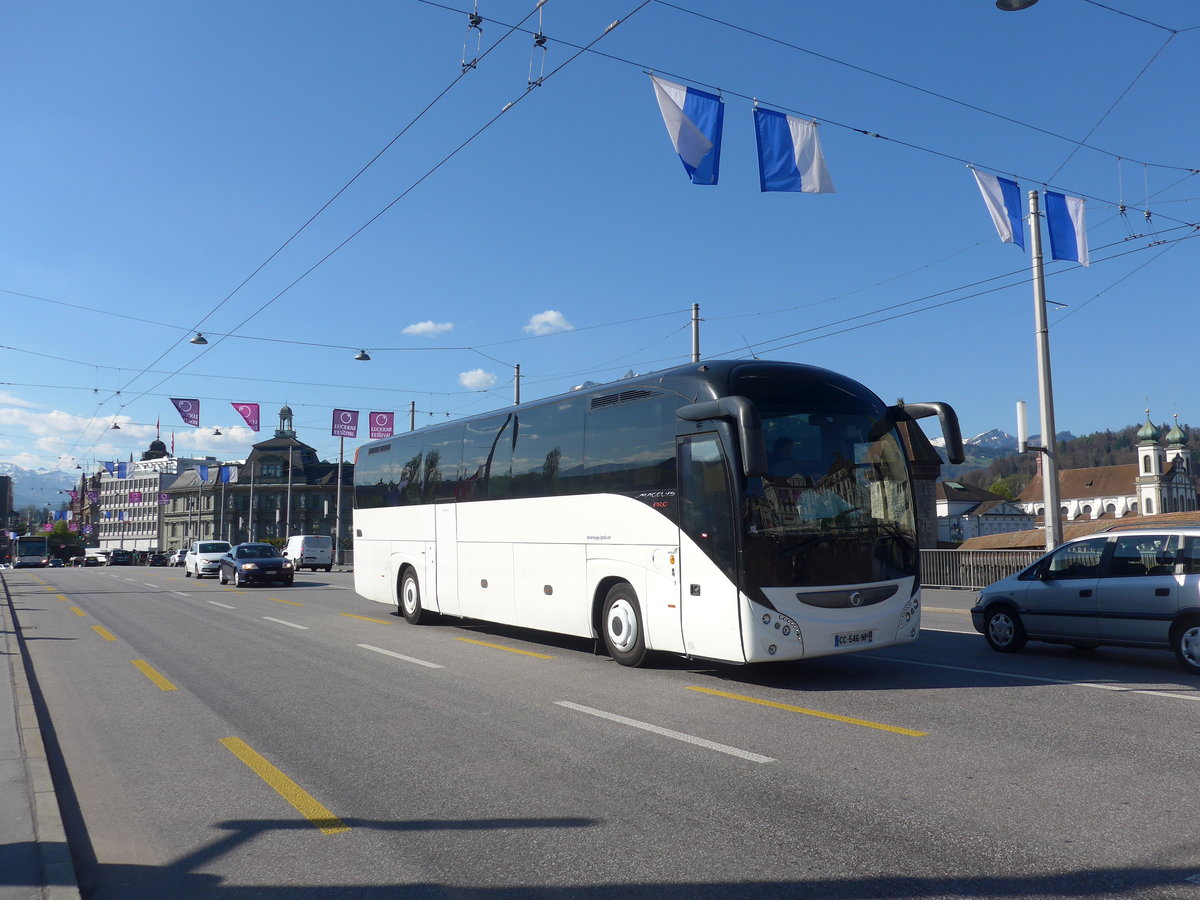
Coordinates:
<point>1004,631</point>
<point>1185,640</point>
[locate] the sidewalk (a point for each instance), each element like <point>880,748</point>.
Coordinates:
<point>35,861</point>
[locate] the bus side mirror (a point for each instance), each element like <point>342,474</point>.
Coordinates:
<point>946,416</point>
<point>749,427</point>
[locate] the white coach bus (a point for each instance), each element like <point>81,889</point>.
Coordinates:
<point>661,513</point>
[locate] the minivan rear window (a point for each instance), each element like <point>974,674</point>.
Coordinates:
<point>319,541</point>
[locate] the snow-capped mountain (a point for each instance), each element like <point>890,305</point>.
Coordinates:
<point>39,487</point>
<point>995,443</point>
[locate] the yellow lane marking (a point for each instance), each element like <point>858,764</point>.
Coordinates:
<point>104,633</point>
<point>810,712</point>
<point>946,609</point>
<point>78,611</point>
<point>304,802</point>
<point>49,587</point>
<point>62,597</point>
<point>365,618</point>
<point>502,647</point>
<point>288,602</point>
<point>150,672</point>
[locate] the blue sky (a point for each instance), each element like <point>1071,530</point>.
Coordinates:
<point>156,155</point>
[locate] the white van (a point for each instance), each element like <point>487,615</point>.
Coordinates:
<point>310,551</point>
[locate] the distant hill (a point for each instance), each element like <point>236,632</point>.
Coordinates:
<point>1104,448</point>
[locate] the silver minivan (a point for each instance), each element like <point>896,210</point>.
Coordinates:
<point>1127,587</point>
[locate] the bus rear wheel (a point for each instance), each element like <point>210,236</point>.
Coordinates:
<point>622,626</point>
<point>410,599</point>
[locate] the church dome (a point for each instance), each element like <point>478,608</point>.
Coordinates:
<point>1147,433</point>
<point>1177,436</point>
<point>286,412</point>
<point>158,446</point>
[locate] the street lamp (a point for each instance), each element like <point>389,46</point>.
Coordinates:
<point>1014,5</point>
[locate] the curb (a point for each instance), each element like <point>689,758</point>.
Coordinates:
<point>58,878</point>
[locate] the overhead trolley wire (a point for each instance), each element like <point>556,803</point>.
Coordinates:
<point>508,106</point>
<point>513,29</point>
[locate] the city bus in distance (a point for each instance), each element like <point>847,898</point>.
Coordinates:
<point>29,551</point>
<point>739,511</point>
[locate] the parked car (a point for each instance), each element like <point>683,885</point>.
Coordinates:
<point>254,563</point>
<point>202,558</point>
<point>157,559</point>
<point>177,557</point>
<point>1127,587</point>
<point>119,557</point>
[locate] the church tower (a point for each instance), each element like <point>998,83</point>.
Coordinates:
<point>285,429</point>
<point>1151,465</point>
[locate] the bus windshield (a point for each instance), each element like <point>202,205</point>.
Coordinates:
<point>835,504</point>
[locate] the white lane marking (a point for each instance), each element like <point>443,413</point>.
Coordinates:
<point>146,584</point>
<point>222,605</point>
<point>181,593</point>
<point>411,659</point>
<point>130,580</point>
<point>1116,688</point>
<point>666,732</point>
<point>288,624</point>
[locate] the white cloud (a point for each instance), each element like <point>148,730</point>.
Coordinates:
<point>8,399</point>
<point>548,322</point>
<point>477,380</point>
<point>429,328</point>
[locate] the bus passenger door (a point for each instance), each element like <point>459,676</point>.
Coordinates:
<point>446,557</point>
<point>711,619</point>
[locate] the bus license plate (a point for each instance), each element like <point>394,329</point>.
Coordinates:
<point>853,637</point>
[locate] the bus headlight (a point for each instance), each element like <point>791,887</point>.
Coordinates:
<point>909,611</point>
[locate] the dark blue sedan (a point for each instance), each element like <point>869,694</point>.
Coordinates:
<point>254,564</point>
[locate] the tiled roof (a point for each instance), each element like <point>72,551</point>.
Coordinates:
<point>1081,484</point>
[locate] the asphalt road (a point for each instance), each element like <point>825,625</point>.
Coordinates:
<point>303,742</point>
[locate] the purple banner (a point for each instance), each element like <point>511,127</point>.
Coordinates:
<point>189,410</point>
<point>93,496</point>
<point>249,412</point>
<point>383,424</point>
<point>135,496</point>
<point>164,498</point>
<point>345,423</point>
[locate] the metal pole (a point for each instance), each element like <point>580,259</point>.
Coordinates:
<point>412,415</point>
<point>695,332</point>
<point>337,528</point>
<point>221,527</point>
<point>250,531</point>
<point>517,384</point>
<point>287,526</point>
<point>1045,388</point>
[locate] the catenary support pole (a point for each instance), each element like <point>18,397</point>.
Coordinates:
<point>1052,518</point>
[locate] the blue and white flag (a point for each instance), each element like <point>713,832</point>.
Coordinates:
<point>1003,199</point>
<point>694,120</point>
<point>122,470</point>
<point>110,467</point>
<point>1068,228</point>
<point>202,471</point>
<point>789,154</point>
<point>229,474</point>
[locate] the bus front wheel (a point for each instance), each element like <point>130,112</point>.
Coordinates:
<point>410,599</point>
<point>622,625</point>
